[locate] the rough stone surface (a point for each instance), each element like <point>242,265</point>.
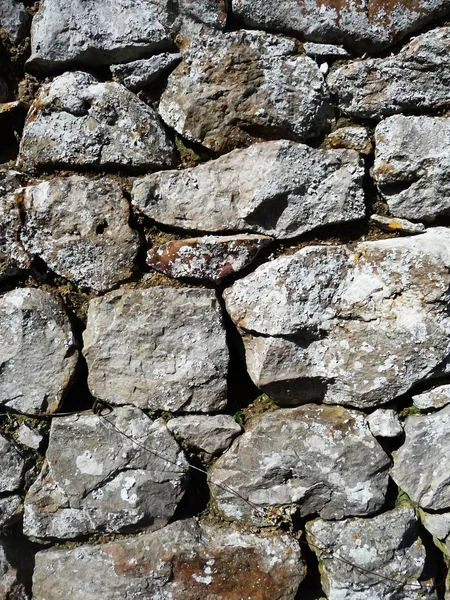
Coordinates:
<point>352,138</point>
<point>301,461</point>
<point>29,437</point>
<point>9,584</point>
<point>232,88</point>
<point>13,17</point>
<point>96,479</point>
<point>12,255</point>
<point>278,188</point>
<point>435,398</point>
<point>138,74</point>
<point>213,434</point>
<point>37,351</point>
<point>412,164</point>
<point>325,51</point>
<point>207,258</point>
<point>417,78</point>
<point>384,423</point>
<point>438,524</point>
<point>10,512</point>
<point>396,224</point>
<point>79,227</point>
<point>12,466</point>
<point>355,325</point>
<point>77,121</point>
<point>184,560</point>
<point>387,548</point>
<point>159,348</point>
<point>421,463</point>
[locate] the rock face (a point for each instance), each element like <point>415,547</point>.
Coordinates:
<point>280,188</point>
<point>37,351</point>
<point>366,25</point>
<point>148,348</point>
<point>387,548</point>
<point>13,17</point>
<point>231,88</point>
<point>353,325</point>
<point>411,166</point>
<point>415,79</point>
<point>351,138</point>
<point>10,512</point>
<point>396,224</point>
<point>76,121</point>
<point>301,461</point>
<point>79,227</point>
<point>384,423</point>
<point>212,434</point>
<point>12,466</point>
<point>96,479</point>
<point>12,255</point>
<point>140,73</point>
<point>435,398</point>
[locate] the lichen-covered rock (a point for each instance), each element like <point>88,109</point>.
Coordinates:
<point>396,224</point>
<point>384,422</point>
<point>13,18</point>
<point>38,354</point>
<point>301,461</point>
<point>438,397</point>
<point>325,51</point>
<point>158,348</point>
<point>12,255</point>
<point>278,188</point>
<point>355,325</point>
<point>207,258</point>
<point>79,227</point>
<point>213,434</point>
<point>10,512</point>
<point>421,463</point>
<point>412,164</point>
<point>234,88</point>
<point>96,479</point>
<point>365,25</point>
<point>77,121</point>
<point>387,548</point>
<point>138,74</point>
<point>417,78</point>
<point>12,466</point>
<point>351,138</point>
<point>184,560</point>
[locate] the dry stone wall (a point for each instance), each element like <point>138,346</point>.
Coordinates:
<point>224,300</point>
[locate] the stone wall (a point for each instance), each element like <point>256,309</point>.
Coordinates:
<point>224,309</point>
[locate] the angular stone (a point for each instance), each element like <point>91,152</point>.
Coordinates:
<point>79,227</point>
<point>213,434</point>
<point>12,466</point>
<point>387,548</point>
<point>138,74</point>
<point>367,25</point>
<point>384,422</point>
<point>355,325</point>
<point>96,479</point>
<point>184,560</point>
<point>325,51</point>
<point>77,121</point>
<point>38,353</point>
<point>234,88</point>
<point>10,511</point>
<point>351,138</point>
<point>158,348</point>
<point>29,437</point>
<point>12,255</point>
<point>412,164</point>
<point>279,188</point>
<point>417,78</point>
<point>438,524</point>
<point>301,461</point>
<point>435,398</point>
<point>13,18</point>
<point>396,224</point>
<point>207,258</point>
<point>421,463</point>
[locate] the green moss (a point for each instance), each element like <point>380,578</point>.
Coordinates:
<point>409,411</point>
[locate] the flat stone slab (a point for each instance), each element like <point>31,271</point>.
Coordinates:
<point>213,434</point>
<point>161,348</point>
<point>397,225</point>
<point>438,397</point>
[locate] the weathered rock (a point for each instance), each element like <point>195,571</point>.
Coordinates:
<point>412,164</point>
<point>278,188</point>
<point>76,121</point>
<point>421,463</point>
<point>387,548</point>
<point>438,524</point>
<point>29,437</point>
<point>231,89</point>
<point>138,74</point>
<point>325,51</point>
<point>12,255</point>
<point>10,511</point>
<point>355,325</point>
<point>212,434</point>
<point>367,25</point>
<point>38,354</point>
<point>12,466</point>
<point>396,224</point>
<point>158,348</point>
<point>351,138</point>
<point>384,423</point>
<point>207,258</point>
<point>13,18</point>
<point>417,78</point>
<point>79,227</point>
<point>184,560</point>
<point>302,461</point>
<point>96,479</point>
<point>435,398</point>
<point>9,581</point>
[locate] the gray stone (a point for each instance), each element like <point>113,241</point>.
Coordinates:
<point>185,560</point>
<point>325,51</point>
<point>29,437</point>
<point>158,348</point>
<point>278,188</point>
<point>438,524</point>
<point>13,18</point>
<point>367,25</point>
<point>435,398</point>
<point>213,434</point>
<point>396,224</point>
<point>356,325</point>
<point>301,461</point>
<point>77,121</point>
<point>38,353</point>
<point>12,466</point>
<point>233,88</point>
<point>12,255</point>
<point>207,258</point>
<point>351,138</point>
<point>10,512</point>
<point>96,479</point>
<point>79,227</point>
<point>138,74</point>
<point>387,548</point>
<point>9,583</point>
<point>417,78</point>
<point>384,422</point>
<point>412,164</point>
